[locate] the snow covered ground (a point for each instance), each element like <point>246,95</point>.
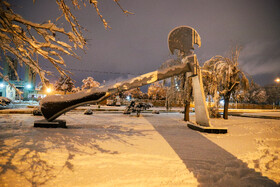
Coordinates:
<point>112,149</point>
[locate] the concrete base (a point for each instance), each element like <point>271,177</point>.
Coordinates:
<point>207,129</point>
<point>50,124</point>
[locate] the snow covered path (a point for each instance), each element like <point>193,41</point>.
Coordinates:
<point>152,150</point>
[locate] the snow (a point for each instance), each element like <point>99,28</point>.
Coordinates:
<point>112,149</point>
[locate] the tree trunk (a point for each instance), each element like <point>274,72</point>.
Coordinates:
<point>166,104</point>
<point>216,99</point>
<point>166,101</point>
<point>187,111</point>
<point>225,115</point>
<point>209,101</point>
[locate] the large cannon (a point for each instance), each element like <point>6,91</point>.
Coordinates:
<point>55,105</point>
<point>181,39</point>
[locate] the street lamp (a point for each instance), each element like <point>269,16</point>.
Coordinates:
<point>28,86</point>
<point>277,80</point>
<point>49,90</point>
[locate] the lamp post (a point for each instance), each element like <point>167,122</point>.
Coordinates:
<point>277,80</point>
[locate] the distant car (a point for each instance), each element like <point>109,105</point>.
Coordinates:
<point>5,101</point>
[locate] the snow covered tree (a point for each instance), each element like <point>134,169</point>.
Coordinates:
<point>210,83</point>
<point>179,89</point>
<point>76,89</point>
<point>157,91</point>
<point>273,94</point>
<point>134,93</point>
<point>89,83</point>
<point>4,101</point>
<point>172,90</point>
<point>64,84</point>
<point>256,94</point>
<point>225,77</point>
<point>26,40</point>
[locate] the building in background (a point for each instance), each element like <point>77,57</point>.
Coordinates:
<point>25,84</point>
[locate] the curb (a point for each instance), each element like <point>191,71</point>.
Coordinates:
<point>30,111</point>
<point>16,111</point>
<point>255,116</point>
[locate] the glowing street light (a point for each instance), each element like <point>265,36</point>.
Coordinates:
<point>28,86</point>
<point>277,80</point>
<point>49,90</point>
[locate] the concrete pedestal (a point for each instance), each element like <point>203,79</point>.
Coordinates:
<point>50,124</point>
<point>207,129</point>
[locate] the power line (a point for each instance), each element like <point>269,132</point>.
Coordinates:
<point>95,71</point>
<point>107,72</point>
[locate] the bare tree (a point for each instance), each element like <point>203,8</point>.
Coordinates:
<point>225,77</point>
<point>26,40</point>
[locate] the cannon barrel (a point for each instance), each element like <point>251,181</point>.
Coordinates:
<point>54,105</point>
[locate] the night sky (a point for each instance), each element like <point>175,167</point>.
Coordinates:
<point>137,43</point>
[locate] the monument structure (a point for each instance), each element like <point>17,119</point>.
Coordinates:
<point>181,39</point>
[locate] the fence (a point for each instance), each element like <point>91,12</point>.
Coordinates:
<point>231,105</point>
<point>252,106</point>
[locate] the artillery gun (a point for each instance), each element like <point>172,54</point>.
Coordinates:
<point>181,39</point>
<point>55,105</point>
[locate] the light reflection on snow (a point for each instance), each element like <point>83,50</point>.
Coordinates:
<point>114,149</point>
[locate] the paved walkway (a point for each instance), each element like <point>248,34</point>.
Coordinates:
<point>125,150</point>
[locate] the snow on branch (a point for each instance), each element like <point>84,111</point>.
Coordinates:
<point>124,11</point>
<point>16,39</point>
<point>225,74</point>
<point>27,40</point>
